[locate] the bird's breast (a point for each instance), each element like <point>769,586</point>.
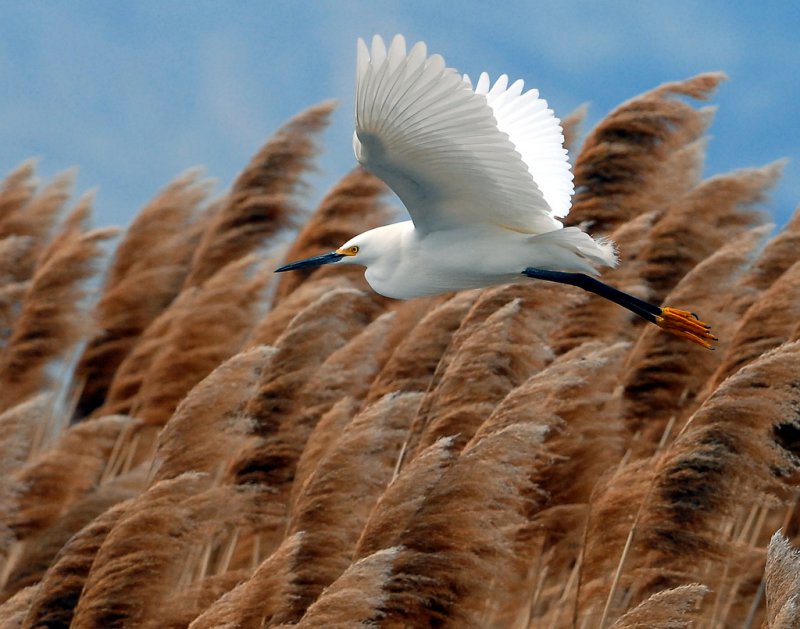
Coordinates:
<point>442,262</point>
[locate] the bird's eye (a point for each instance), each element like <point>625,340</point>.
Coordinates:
<point>354,249</point>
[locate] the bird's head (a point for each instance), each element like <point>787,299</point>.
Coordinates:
<point>351,252</point>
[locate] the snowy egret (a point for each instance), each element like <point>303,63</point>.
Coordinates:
<point>484,176</point>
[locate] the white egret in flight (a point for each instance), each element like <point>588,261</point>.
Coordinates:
<point>484,175</point>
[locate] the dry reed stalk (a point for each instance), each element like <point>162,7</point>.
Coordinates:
<point>496,357</point>
<point>543,301</point>
<point>157,236</point>
<point>456,562</point>
<point>613,521</point>
<point>349,208</point>
<point>62,584</point>
<point>194,335</point>
<point>28,212</point>
<point>63,473</point>
<point>127,380</point>
<point>154,548</point>
<point>664,378</point>
<point>35,217</point>
<point>315,333</point>
<point>41,549</point>
<point>280,423</point>
<point>404,497</point>
<point>16,190</point>
<point>573,398</point>
<point>13,611</point>
<point>253,603</point>
<point>768,323</point>
<point>210,331</point>
<point>634,144</point>
<point>50,320</point>
<point>185,606</point>
<point>415,359</point>
<point>123,315</point>
<point>14,251</point>
<point>259,205</point>
<point>778,256</point>
<point>354,599</point>
<point>324,437</point>
<point>209,426</point>
<point>346,374</point>
<point>10,299</point>
<point>678,241</point>
<point>739,591</point>
<point>740,444</point>
<point>349,370</point>
<point>21,428</point>
<point>276,320</point>
<point>406,315</point>
<point>337,498</point>
<point>670,609</point>
<point>146,273</point>
<point>573,401</point>
<point>783,584</point>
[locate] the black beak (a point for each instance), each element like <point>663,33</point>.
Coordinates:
<point>325,258</point>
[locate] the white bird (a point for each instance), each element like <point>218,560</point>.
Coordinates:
<point>484,176</point>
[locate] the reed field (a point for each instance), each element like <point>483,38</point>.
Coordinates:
<point>190,440</point>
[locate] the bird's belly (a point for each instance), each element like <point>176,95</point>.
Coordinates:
<point>442,266</point>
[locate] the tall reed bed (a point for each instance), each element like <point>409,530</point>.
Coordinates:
<point>188,440</point>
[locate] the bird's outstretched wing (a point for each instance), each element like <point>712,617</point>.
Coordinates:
<point>454,155</point>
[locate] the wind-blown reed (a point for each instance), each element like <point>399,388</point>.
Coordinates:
<point>210,445</point>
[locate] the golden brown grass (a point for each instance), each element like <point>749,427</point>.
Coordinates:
<point>216,446</point>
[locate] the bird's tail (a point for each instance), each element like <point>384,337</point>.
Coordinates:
<point>572,249</point>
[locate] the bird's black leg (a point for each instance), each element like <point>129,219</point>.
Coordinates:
<point>680,322</point>
<point>588,283</point>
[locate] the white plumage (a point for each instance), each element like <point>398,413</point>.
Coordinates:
<point>483,174</point>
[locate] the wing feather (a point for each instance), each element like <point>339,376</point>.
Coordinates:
<point>443,148</point>
<point>536,134</point>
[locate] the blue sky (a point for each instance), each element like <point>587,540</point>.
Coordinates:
<point>133,93</point>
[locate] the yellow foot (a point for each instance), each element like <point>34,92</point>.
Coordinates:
<point>686,325</point>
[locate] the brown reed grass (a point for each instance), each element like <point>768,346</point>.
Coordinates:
<point>643,139</point>
<point>303,452</point>
<point>145,276</point>
<point>783,583</point>
<point>259,205</point>
<point>50,321</point>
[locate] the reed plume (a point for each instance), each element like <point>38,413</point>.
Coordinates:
<point>783,583</point>
<point>54,603</point>
<point>145,276</point>
<point>642,140</point>
<point>259,205</point>
<point>210,426</point>
<point>670,609</point>
<point>50,321</point>
<point>256,601</point>
<point>336,499</point>
<point>28,213</point>
<point>156,543</point>
<point>16,190</point>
